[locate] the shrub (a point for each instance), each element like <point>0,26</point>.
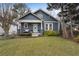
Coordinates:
<point>76,39</point>
<point>51,33</point>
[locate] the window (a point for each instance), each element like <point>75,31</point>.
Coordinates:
<point>50,26</point>
<point>25,25</point>
<point>40,15</point>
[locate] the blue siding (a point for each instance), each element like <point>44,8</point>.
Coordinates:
<point>55,26</point>
<point>45,17</point>
<point>30,17</point>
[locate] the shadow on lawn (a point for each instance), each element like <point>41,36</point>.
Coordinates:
<point>14,37</point>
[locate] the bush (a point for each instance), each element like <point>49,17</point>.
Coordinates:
<point>76,39</point>
<point>51,33</point>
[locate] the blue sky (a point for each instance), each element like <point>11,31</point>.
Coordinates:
<point>36,6</point>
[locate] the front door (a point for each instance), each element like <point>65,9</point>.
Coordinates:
<point>35,27</point>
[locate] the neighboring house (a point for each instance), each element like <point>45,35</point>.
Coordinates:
<point>37,23</point>
<point>1,30</point>
<point>13,28</point>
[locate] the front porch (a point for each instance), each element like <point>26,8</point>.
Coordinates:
<point>35,29</point>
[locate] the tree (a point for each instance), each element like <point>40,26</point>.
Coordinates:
<point>71,11</point>
<point>57,6</point>
<point>7,14</point>
<point>68,10</point>
<point>20,9</point>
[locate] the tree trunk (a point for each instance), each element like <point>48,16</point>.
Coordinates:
<point>64,30</point>
<point>71,29</point>
<point>5,26</point>
<point>6,34</point>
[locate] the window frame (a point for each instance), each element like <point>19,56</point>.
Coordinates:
<point>47,26</point>
<point>25,25</point>
<point>41,16</point>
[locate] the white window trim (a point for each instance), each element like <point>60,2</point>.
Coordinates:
<point>46,29</point>
<point>52,24</point>
<point>51,21</point>
<point>25,25</point>
<point>30,21</point>
<point>48,26</point>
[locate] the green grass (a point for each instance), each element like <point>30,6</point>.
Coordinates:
<point>40,46</point>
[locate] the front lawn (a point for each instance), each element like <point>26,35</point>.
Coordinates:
<point>38,46</point>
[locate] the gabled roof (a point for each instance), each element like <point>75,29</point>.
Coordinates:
<point>28,14</point>
<point>37,16</point>
<point>45,13</point>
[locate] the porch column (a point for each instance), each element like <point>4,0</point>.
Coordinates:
<point>58,27</point>
<point>41,27</point>
<point>19,27</point>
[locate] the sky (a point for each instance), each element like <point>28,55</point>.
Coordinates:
<point>36,6</point>
<point>43,6</point>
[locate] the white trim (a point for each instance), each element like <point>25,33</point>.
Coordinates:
<point>58,27</point>
<point>41,26</point>
<point>35,21</point>
<point>51,21</point>
<point>46,29</point>
<point>19,25</point>
<point>48,26</point>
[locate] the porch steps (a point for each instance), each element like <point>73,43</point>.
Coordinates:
<point>35,34</point>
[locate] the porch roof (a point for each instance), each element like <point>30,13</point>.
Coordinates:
<point>32,21</point>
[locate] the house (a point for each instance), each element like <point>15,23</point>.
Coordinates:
<point>37,23</point>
